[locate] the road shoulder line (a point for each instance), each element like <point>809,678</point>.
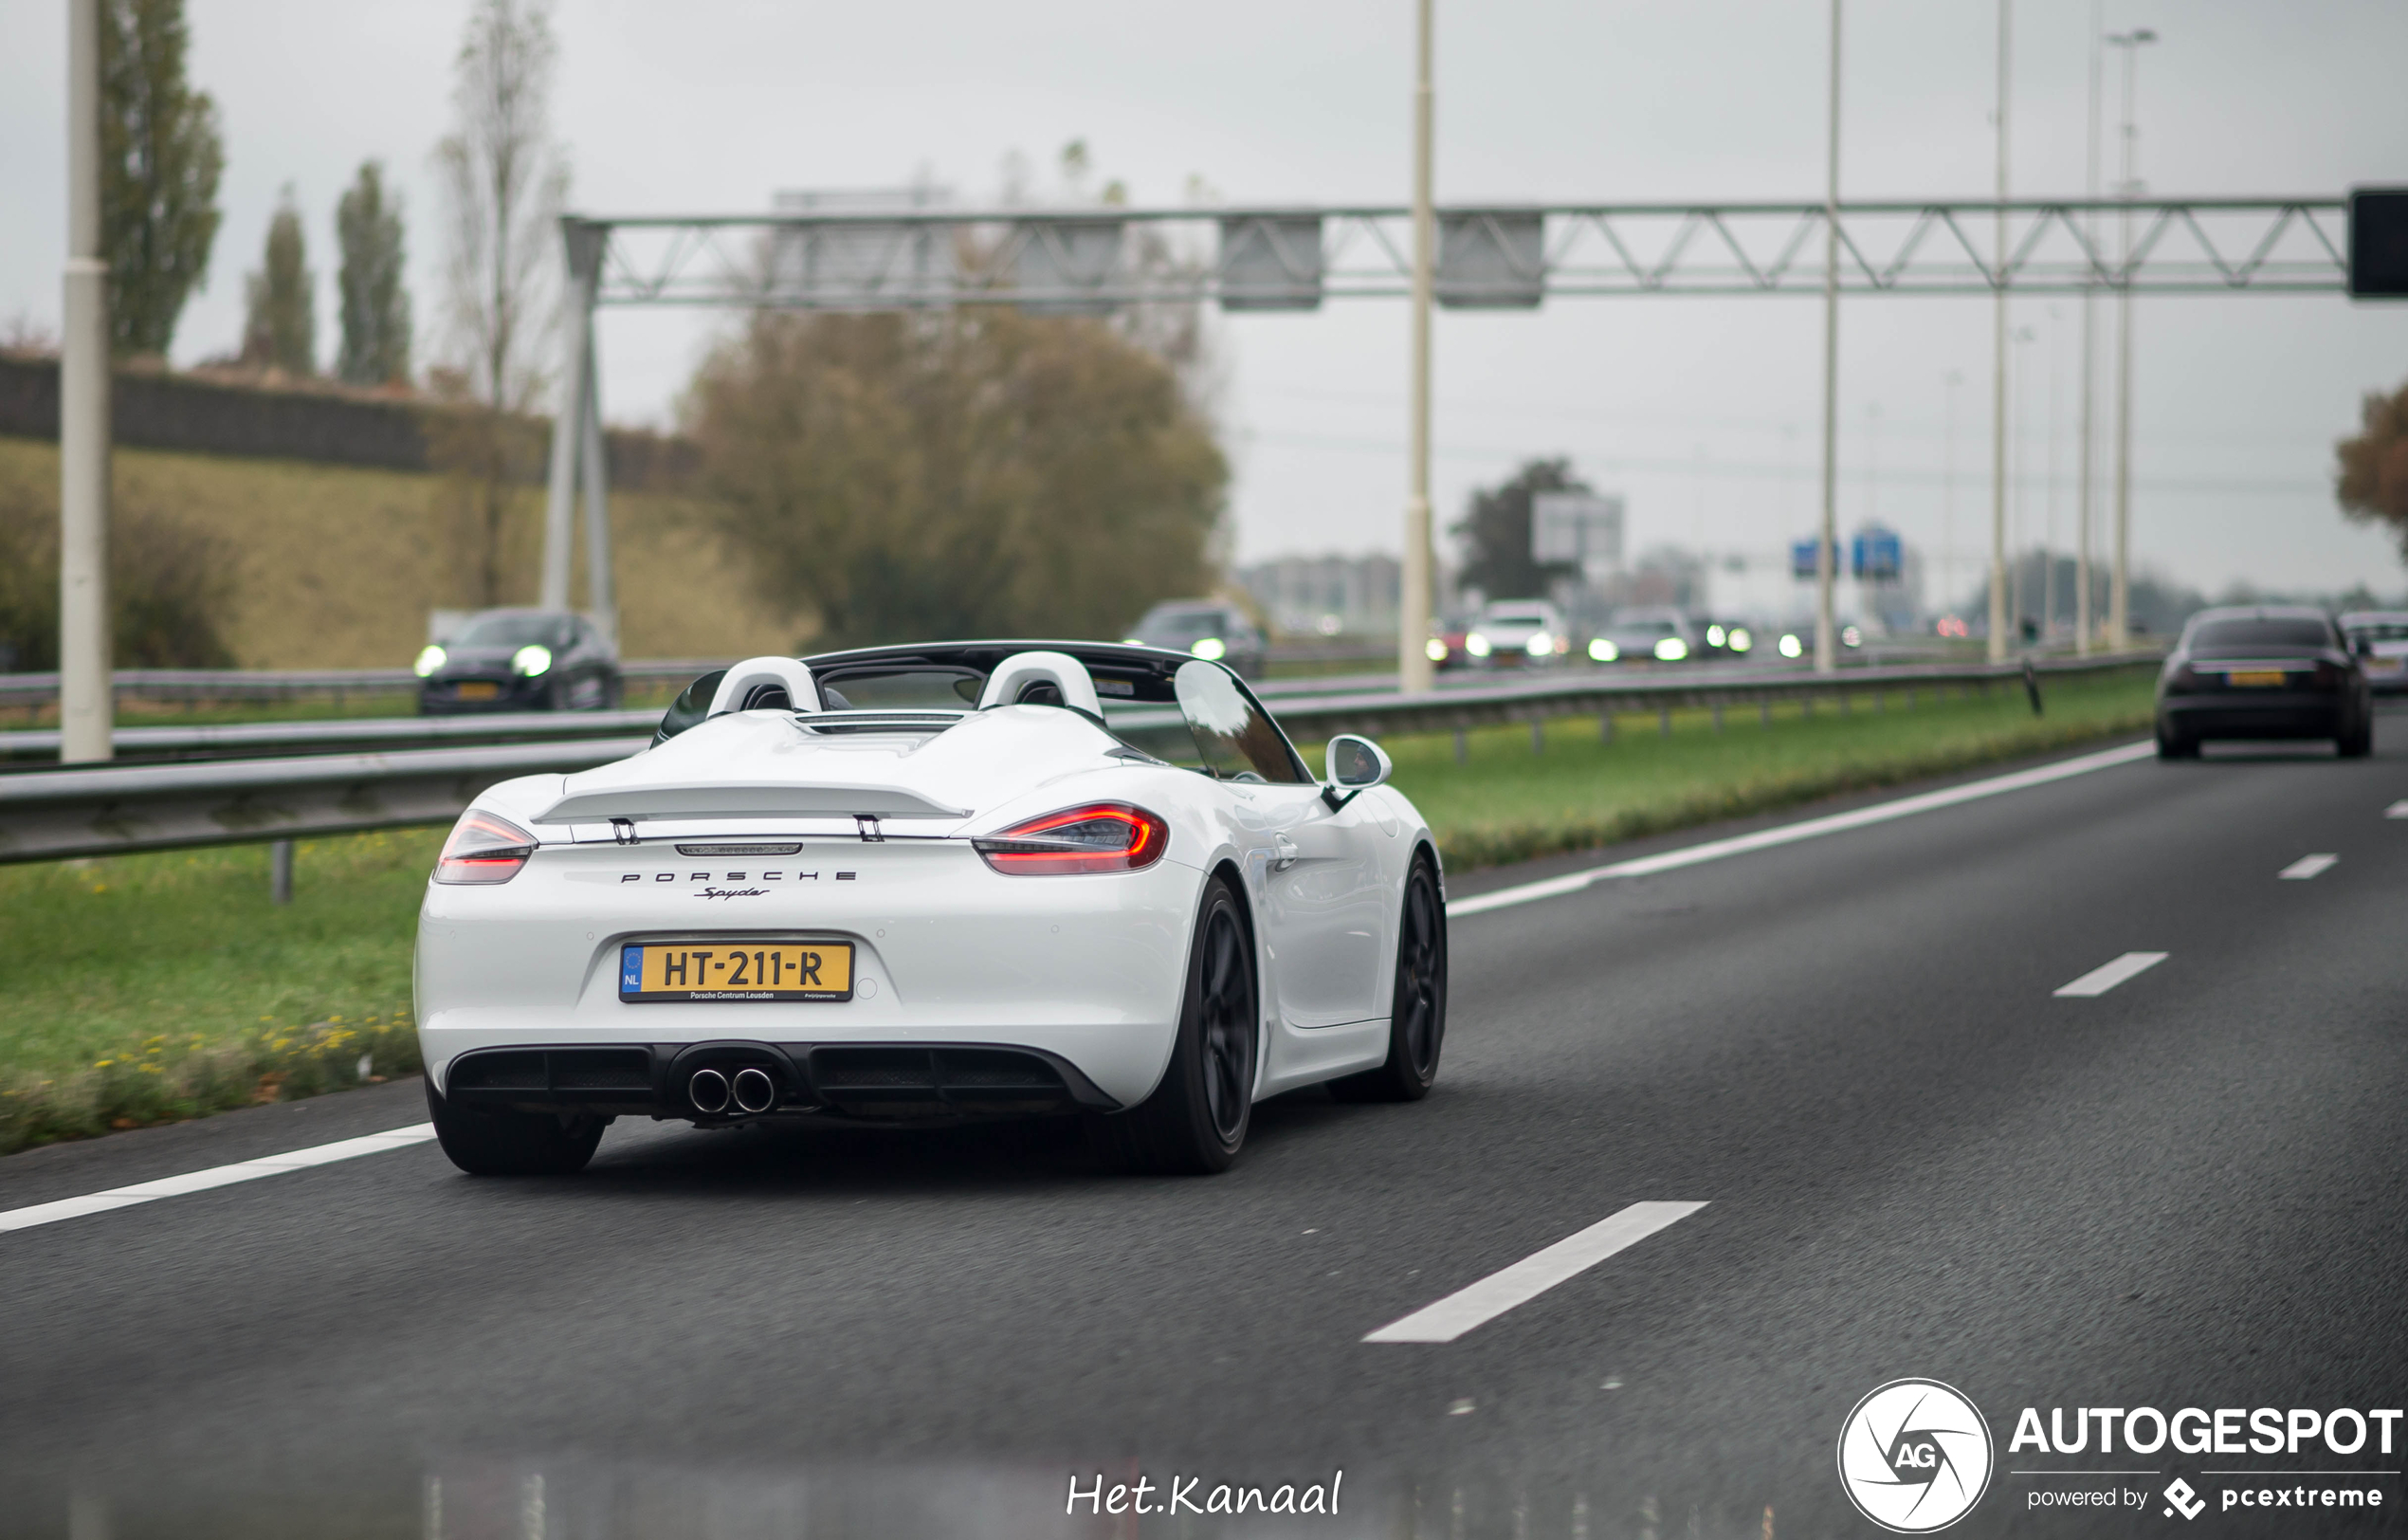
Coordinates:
<point>215,1176</point>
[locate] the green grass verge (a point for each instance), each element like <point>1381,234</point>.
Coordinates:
<point>145,989</point>
<point>1506,803</point>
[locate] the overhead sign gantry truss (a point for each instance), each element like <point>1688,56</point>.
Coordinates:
<point>1490,257</point>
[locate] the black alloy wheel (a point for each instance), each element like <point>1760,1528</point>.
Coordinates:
<point>1417,1022</point>
<point>509,1144</point>
<point>1195,1120</point>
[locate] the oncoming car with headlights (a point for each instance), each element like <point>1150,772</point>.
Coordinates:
<point>1526,631</point>
<point>519,660</point>
<point>911,885</point>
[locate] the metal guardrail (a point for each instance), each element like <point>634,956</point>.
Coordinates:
<point>257,740</point>
<point>102,811</point>
<point>45,814</point>
<point>39,690</point>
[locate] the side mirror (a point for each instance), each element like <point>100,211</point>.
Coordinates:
<point>1350,765</point>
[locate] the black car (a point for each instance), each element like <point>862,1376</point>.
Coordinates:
<point>519,660</point>
<point>1210,628</point>
<point>2263,673</point>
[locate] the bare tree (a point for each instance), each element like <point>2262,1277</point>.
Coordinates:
<point>504,181</point>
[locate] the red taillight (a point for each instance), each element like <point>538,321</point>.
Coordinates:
<point>1102,836</point>
<point>483,848</point>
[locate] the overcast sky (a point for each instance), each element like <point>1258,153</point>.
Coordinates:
<point>1703,412</point>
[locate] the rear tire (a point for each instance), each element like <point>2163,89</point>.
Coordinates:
<point>513,1144</point>
<point>1195,1120</point>
<point>1417,1022</point>
<point>2358,742</point>
<point>2174,743</point>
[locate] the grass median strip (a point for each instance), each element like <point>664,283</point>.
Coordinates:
<point>1503,802</point>
<point>143,989</point>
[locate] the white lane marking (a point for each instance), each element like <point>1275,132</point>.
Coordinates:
<point>2397,810</point>
<point>1811,829</point>
<point>2100,980</point>
<point>1526,1280</point>
<point>2306,866</point>
<point>215,1176</point>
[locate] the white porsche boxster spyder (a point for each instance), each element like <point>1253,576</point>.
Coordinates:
<point>915,884</point>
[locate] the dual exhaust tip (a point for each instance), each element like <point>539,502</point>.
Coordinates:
<point>750,1090</point>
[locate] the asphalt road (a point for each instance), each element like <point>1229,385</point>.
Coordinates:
<point>1917,1161</point>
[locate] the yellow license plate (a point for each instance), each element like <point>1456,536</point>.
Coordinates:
<point>728,970</point>
<point>2261,678</point>
<point>479,690</point>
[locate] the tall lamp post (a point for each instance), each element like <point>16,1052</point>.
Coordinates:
<point>1412,606</point>
<point>1827,540</point>
<point>86,706</point>
<point>1999,372</point>
<point>2083,621</point>
<point>2128,187</point>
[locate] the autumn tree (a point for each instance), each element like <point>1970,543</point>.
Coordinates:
<point>960,473</point>
<point>161,159</point>
<point>1495,532</point>
<point>375,305</point>
<point>2371,480</point>
<point>504,181</point>
<point>279,326</point>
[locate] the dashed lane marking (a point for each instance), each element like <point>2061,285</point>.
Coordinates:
<point>1790,834</point>
<point>216,1176</point>
<point>2397,810</point>
<point>2100,980</point>
<point>2306,866</point>
<point>1526,1280</point>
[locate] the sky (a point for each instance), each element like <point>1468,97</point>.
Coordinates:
<point>1705,415</point>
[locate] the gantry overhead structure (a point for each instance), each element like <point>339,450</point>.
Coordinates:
<point>1099,259</point>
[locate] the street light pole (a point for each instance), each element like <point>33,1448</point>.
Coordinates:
<point>2082,621</point>
<point>87,704</point>
<point>2120,596</point>
<point>1413,602</point>
<point>1827,541</point>
<point>1999,374</point>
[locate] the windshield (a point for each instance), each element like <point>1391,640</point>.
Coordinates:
<point>1220,731</point>
<point>1181,629</point>
<point>556,631</point>
<point>2382,631</point>
<point>1517,615</point>
<point>917,689</point>
<point>2245,633</point>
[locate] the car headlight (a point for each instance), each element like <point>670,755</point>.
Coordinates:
<point>531,660</point>
<point>1434,650</point>
<point>1792,647</point>
<point>1850,636</point>
<point>1672,650</point>
<point>1716,636</point>
<point>1133,641</point>
<point>1602,651</point>
<point>1476,645</point>
<point>1211,648</point>
<point>1539,646</point>
<point>1740,640</point>
<point>430,658</point>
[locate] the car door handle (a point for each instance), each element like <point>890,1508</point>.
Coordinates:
<point>1284,852</point>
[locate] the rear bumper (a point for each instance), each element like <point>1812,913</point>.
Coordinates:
<point>1085,970</point>
<point>890,1083</point>
<point>2287,714</point>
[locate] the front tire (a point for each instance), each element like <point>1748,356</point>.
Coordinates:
<point>513,1144</point>
<point>1417,1022</point>
<point>1195,1120</point>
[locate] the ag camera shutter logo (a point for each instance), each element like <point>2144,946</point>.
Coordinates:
<point>1915,1456</point>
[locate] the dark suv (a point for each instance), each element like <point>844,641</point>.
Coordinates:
<point>519,660</point>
